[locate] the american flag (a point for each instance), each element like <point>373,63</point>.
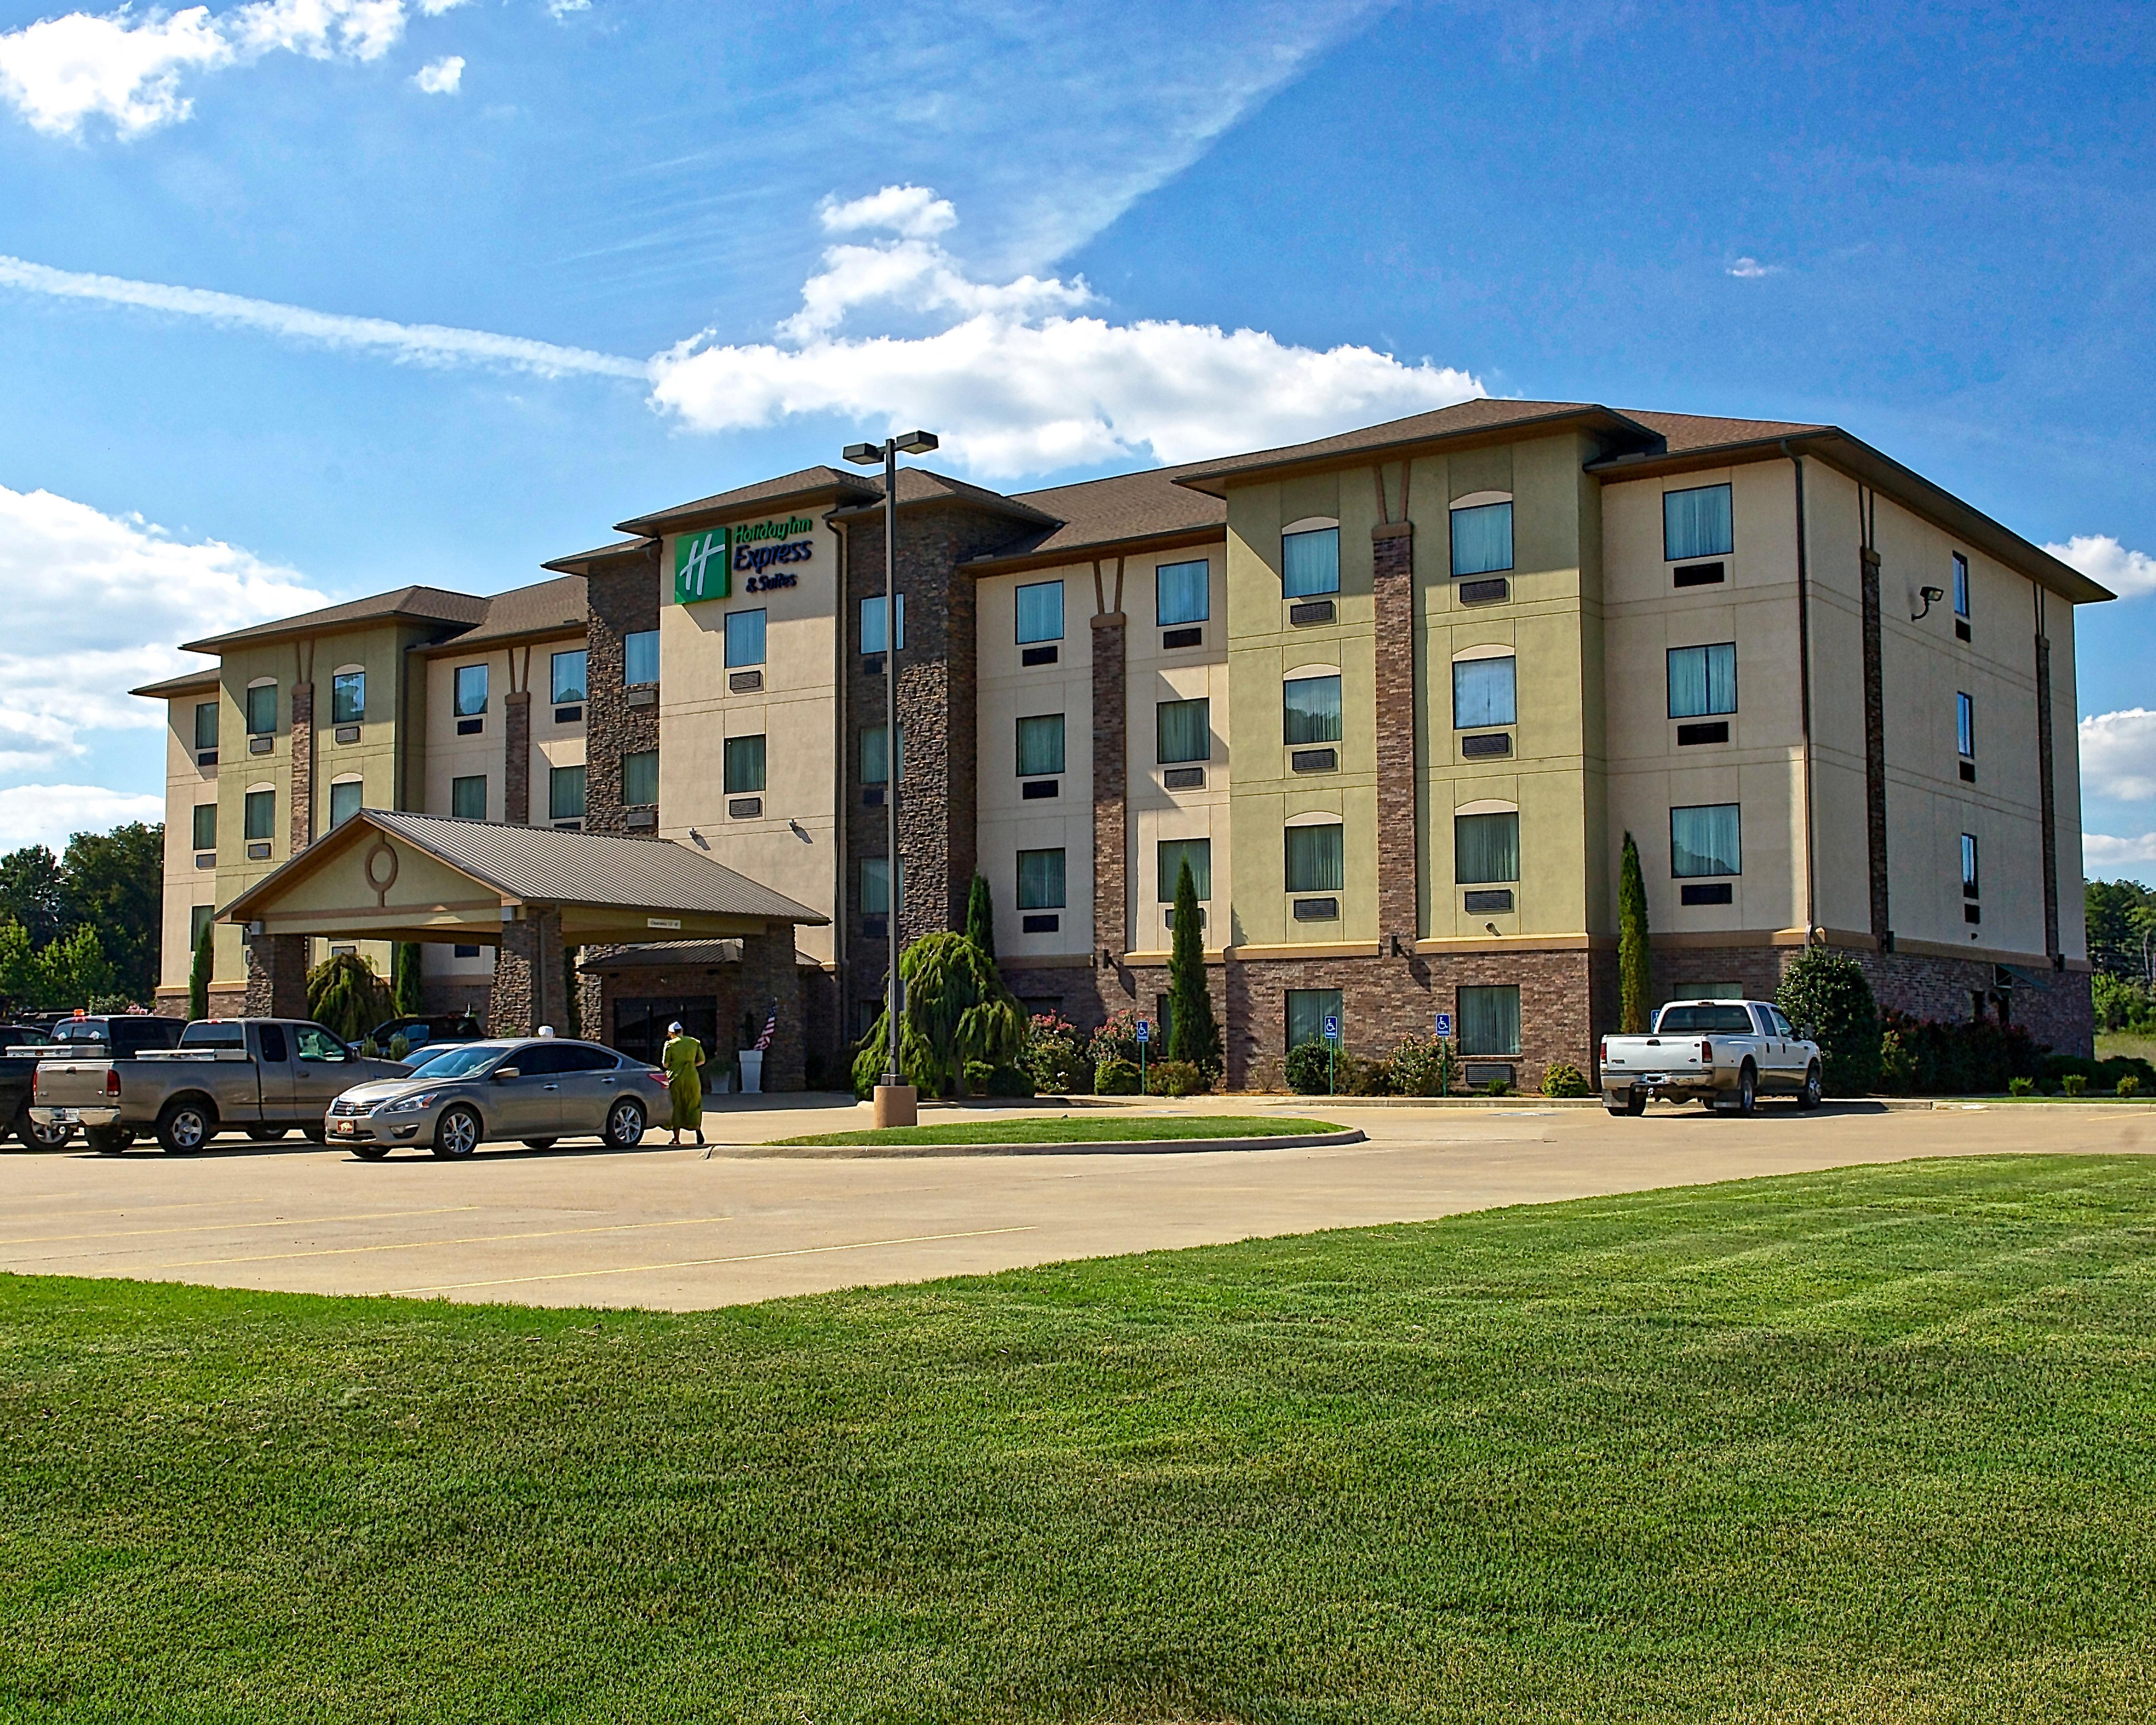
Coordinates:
<point>770,1030</point>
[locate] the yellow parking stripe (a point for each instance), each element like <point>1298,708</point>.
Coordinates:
<point>450,1209</point>
<point>420,1245</point>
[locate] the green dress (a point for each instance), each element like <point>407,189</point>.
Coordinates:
<point>682,1056</point>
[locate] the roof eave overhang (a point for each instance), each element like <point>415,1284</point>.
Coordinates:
<point>584,563</point>
<point>240,640</point>
<point>456,644</point>
<point>950,500</point>
<point>690,518</point>
<point>1059,556</point>
<point>173,688</point>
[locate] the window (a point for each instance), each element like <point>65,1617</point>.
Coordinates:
<point>1310,563</point>
<point>316,1044</point>
<point>1485,848</point>
<point>262,710</point>
<point>261,815</point>
<point>1169,856</point>
<point>1965,727</point>
<point>1484,692</point>
<point>569,677</point>
<point>1040,746</point>
<point>876,886</point>
<point>467,797</point>
<point>471,690</point>
<point>1307,1010</point>
<point>1181,592</point>
<point>1041,879</point>
<point>1695,524</point>
<point>639,780</point>
<point>639,657</point>
<point>875,759</point>
<point>1961,586</point>
<point>565,793</point>
<point>1490,1020</point>
<point>1316,858</point>
<point>205,826</point>
<point>1482,539</point>
<point>345,797</point>
<point>1310,709</point>
<point>1184,731</point>
<point>348,698</point>
<point>1702,681</point>
<point>198,919</point>
<point>744,765</point>
<point>872,639</point>
<point>745,637</point>
<point>1968,882</point>
<point>1703,840</point>
<point>1040,612</point>
<point>206,724</point>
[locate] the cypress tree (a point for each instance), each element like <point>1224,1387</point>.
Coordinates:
<point>981,917</point>
<point>1635,980</point>
<point>1192,1033</point>
<point>405,980</point>
<point>198,978</point>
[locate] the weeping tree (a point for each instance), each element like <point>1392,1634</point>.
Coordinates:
<point>345,997</point>
<point>198,977</point>
<point>1192,1034</point>
<point>981,917</point>
<point>956,1009</point>
<point>405,995</point>
<point>1635,980</point>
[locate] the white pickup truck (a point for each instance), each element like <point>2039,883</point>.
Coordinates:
<point>1724,1053</point>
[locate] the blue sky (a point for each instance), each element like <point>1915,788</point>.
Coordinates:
<point>1926,223</point>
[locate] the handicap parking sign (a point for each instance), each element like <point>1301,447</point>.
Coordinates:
<point>1332,1027</point>
<point>1145,1030</point>
<point>1444,1025</point>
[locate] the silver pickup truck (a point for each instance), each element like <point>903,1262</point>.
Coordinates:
<point>263,1076</point>
<point>1724,1053</point>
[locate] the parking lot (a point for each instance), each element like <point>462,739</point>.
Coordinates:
<point>667,1228</point>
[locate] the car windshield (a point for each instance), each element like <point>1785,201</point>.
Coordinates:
<point>208,1033</point>
<point>1712,1020</point>
<point>460,1061</point>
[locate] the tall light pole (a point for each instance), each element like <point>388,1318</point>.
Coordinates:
<point>896,1105</point>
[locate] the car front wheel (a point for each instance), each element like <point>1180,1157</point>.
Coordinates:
<point>1809,1096</point>
<point>624,1126</point>
<point>184,1127</point>
<point>457,1133</point>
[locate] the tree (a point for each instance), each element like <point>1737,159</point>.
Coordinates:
<point>2120,913</point>
<point>956,1010</point>
<point>345,996</point>
<point>1192,1034</point>
<point>981,917</point>
<point>199,975</point>
<point>30,892</point>
<point>113,882</point>
<point>1635,970</point>
<point>74,973</point>
<point>18,976</point>
<point>404,975</point>
<point>1825,997</point>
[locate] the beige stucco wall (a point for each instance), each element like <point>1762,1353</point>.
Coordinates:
<point>185,885</point>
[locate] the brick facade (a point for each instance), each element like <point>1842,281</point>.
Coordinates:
<point>529,983</point>
<point>1392,556</point>
<point>276,976</point>
<point>1110,783</point>
<point>303,766</point>
<point>517,757</point>
<point>622,596</point>
<point>1875,749</point>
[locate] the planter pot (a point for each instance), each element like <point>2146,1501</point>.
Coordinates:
<point>752,1071</point>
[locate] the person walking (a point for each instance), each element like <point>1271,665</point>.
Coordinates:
<point>682,1055</point>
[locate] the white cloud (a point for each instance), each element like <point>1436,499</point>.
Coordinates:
<point>441,77</point>
<point>562,9</point>
<point>61,72</point>
<point>50,815</point>
<point>95,605</point>
<point>913,211</point>
<point>2105,560</point>
<point>2118,755</point>
<point>2105,858</point>
<point>1752,270</point>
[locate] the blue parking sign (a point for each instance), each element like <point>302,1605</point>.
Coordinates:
<point>1444,1025</point>
<point>1145,1030</point>
<point>1332,1027</point>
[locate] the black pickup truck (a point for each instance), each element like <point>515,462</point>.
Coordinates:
<point>120,1036</point>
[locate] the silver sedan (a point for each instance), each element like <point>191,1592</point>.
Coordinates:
<point>532,1091</point>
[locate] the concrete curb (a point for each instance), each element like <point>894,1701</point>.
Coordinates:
<point>1104,1147</point>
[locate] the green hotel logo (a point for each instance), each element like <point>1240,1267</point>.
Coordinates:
<point>701,564</point>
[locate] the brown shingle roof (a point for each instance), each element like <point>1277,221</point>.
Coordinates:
<point>579,562</point>
<point>546,608</point>
<point>762,498</point>
<point>1126,508</point>
<point>920,484</point>
<point>1687,432</point>
<point>194,682</point>
<point>413,604</point>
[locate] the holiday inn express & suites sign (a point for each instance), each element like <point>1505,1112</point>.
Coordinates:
<point>705,563</point>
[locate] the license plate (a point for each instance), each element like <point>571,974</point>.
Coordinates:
<point>346,1128</point>
<point>64,1117</point>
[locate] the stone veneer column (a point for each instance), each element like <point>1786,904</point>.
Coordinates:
<point>528,982</point>
<point>1874,748</point>
<point>303,766</point>
<point>1392,566</point>
<point>2046,793</point>
<point>517,757</point>
<point>770,981</point>
<point>276,975</point>
<point>1110,786</point>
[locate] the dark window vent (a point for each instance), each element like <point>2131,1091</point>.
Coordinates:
<point>1700,575</point>
<point>1968,772</point>
<point>1687,735</point>
<point>1312,611</point>
<point>872,798</point>
<point>1315,761</point>
<point>470,728</point>
<point>643,818</point>
<point>875,928</point>
<point>744,808</point>
<point>1714,892</point>
<point>258,853</point>
<point>1483,902</point>
<point>568,826</point>
<point>872,666</point>
<point>1040,925</point>
<point>1170,916</point>
<point>1968,889</point>
<point>1961,629</point>
<point>1037,655</point>
<point>260,745</point>
<point>205,859</point>
<point>1971,913</point>
<point>347,733</point>
<point>1481,1077</point>
<point>1036,788</point>
<point>1484,593</point>
<point>1318,910</point>
<point>1174,637</point>
<point>1184,778</point>
<point>1496,742</point>
<point>741,682</point>
<point>563,716</point>
<point>207,758</point>
<point>467,952</point>
<point>646,696</point>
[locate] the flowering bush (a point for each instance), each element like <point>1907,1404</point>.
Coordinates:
<point>1057,1056</point>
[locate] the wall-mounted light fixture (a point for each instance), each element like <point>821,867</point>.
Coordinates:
<point>1930,596</point>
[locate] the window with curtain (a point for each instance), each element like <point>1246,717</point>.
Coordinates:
<point>261,808</point>
<point>1961,585</point>
<point>1040,744</point>
<point>569,677</point>
<point>467,797</point>
<point>745,637</point>
<point>565,793</point>
<point>1484,692</point>
<point>1705,840</point>
<point>198,919</point>
<point>1041,879</point>
<point>471,690</point>
<point>205,826</point>
<point>744,765</point>
<point>262,710</point>
<point>1695,524</point>
<point>1486,848</point>
<point>1040,612</point>
<point>345,797</point>
<point>1317,858</point>
<point>1968,865</point>
<point>875,887</point>
<point>1965,727</point>
<point>1482,539</point>
<point>1490,1020</point>
<point>348,698</point>
<point>1311,709</point>
<point>1702,680</point>
<point>875,757</point>
<point>1307,1010</point>
<point>1184,731</point>
<point>1310,563</point>
<point>639,780</point>
<point>872,635</point>
<point>206,726</point>
<point>1169,856</point>
<point>639,657</point>
<point>1181,592</point>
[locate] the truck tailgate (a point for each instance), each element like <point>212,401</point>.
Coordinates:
<point>70,1084</point>
<point>1675,1055</point>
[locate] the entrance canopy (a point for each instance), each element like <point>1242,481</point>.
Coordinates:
<point>384,875</point>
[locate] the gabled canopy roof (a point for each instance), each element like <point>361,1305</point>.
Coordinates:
<point>768,496</point>
<point>410,605</point>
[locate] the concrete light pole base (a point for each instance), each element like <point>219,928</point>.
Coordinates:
<point>897,1105</point>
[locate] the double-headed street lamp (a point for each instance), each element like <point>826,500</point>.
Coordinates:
<point>912,443</point>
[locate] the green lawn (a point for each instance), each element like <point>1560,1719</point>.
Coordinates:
<point>1873,1445</point>
<point>1089,1129</point>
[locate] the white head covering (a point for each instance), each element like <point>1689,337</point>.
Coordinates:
<point>673,1028</point>
<point>545,1029</point>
